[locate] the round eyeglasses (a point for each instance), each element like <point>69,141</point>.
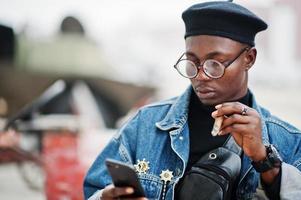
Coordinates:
<point>212,68</point>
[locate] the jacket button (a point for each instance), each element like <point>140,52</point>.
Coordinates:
<point>181,138</point>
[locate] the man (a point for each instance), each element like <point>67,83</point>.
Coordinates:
<point>169,137</point>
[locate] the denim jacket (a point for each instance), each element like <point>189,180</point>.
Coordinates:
<point>159,135</point>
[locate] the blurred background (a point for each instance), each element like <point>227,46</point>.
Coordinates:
<point>71,72</point>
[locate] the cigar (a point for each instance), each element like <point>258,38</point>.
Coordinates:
<point>217,125</point>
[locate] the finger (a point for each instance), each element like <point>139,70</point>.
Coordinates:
<point>230,109</point>
<point>234,128</point>
<point>114,192</point>
<point>235,119</point>
<point>231,104</point>
<point>227,109</point>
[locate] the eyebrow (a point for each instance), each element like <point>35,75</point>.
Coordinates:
<point>210,55</point>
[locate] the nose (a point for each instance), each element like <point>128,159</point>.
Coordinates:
<point>201,75</point>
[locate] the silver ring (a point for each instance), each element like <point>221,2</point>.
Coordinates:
<point>244,111</point>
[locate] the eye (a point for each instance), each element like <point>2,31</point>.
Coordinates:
<point>193,59</point>
<point>223,61</point>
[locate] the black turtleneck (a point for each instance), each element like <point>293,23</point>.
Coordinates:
<point>200,125</point>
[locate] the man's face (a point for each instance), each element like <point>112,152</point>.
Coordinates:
<point>233,84</point>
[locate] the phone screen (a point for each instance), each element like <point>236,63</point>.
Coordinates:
<point>124,175</point>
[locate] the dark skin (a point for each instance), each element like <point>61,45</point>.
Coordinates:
<point>222,93</point>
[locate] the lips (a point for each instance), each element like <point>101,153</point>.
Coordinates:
<point>205,93</point>
<point>203,89</point>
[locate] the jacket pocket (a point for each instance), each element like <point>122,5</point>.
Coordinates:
<point>152,185</point>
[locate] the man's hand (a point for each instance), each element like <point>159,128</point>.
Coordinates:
<point>244,124</point>
<point>111,192</point>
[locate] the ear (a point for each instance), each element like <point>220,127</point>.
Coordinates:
<point>250,58</point>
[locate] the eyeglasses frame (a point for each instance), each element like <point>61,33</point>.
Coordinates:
<point>201,65</point>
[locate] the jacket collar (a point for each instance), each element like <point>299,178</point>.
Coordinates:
<point>178,113</point>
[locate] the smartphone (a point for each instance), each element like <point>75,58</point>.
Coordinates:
<point>124,175</point>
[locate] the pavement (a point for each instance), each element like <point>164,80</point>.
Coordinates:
<point>12,187</point>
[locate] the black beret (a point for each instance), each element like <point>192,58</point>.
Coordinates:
<point>223,18</point>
